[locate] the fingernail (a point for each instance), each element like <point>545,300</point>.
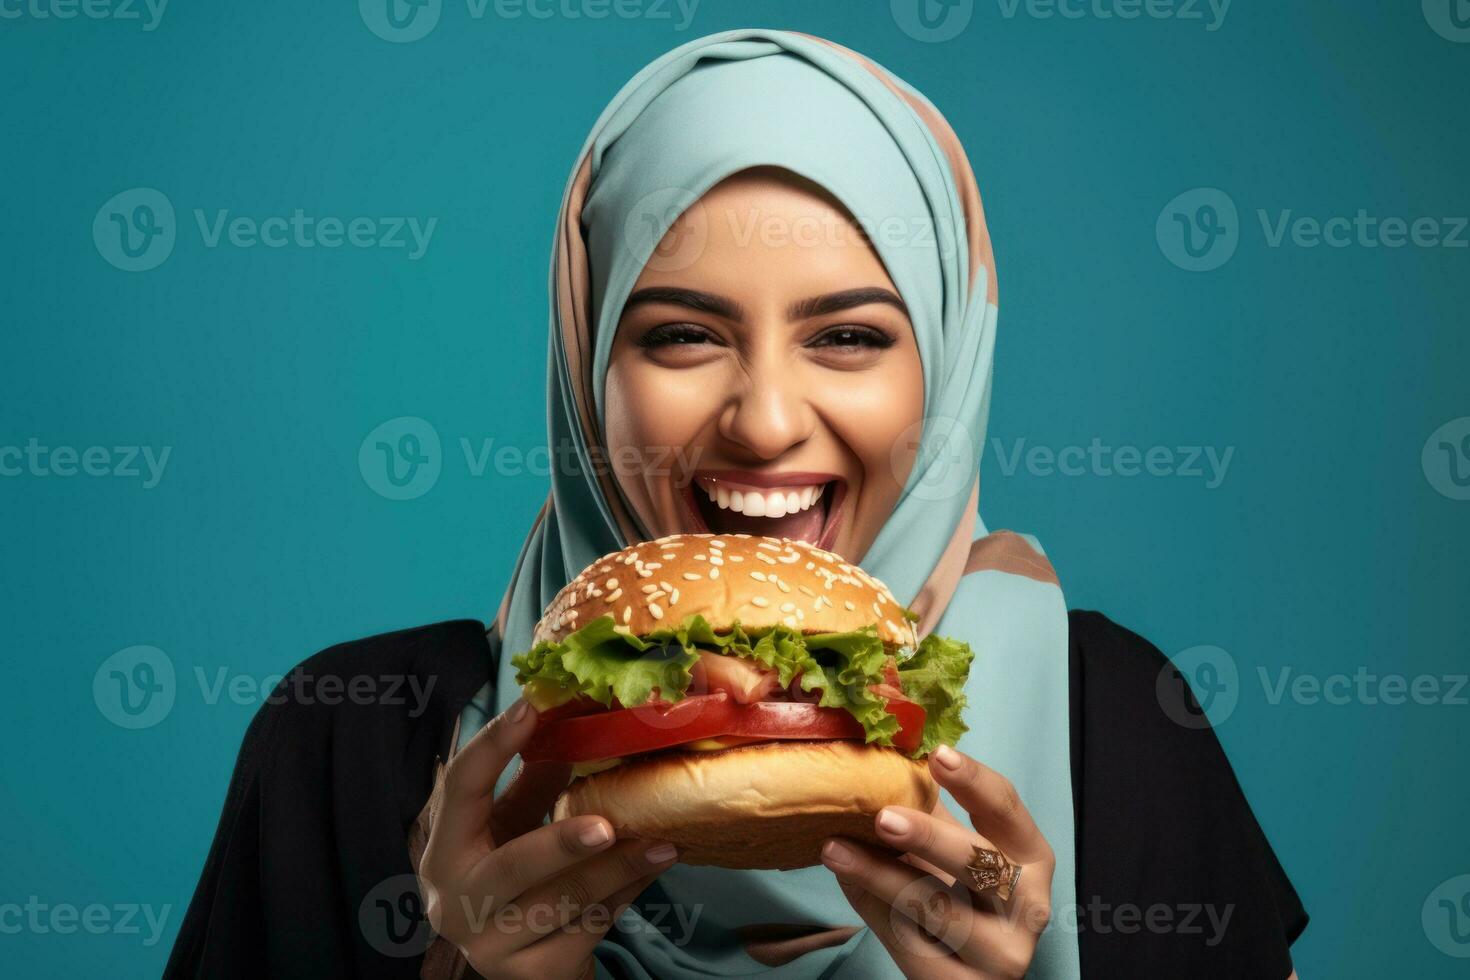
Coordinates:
<point>948,758</point>
<point>835,853</point>
<point>595,834</point>
<point>660,853</point>
<point>517,711</point>
<point>892,822</point>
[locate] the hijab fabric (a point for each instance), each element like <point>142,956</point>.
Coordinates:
<point>701,112</point>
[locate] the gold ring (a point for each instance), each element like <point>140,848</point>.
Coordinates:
<point>992,871</point>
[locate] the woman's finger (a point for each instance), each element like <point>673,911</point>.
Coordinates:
<point>994,806</point>
<point>530,859</point>
<point>950,847</point>
<point>578,939</point>
<point>469,780</point>
<point>916,953</point>
<point>561,899</point>
<point>944,912</point>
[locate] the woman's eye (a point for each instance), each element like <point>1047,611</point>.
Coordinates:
<point>852,337</point>
<point>675,334</point>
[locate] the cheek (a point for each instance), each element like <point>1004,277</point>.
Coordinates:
<point>652,408</point>
<point>877,416</point>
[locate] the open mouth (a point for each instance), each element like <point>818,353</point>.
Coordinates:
<point>800,506</point>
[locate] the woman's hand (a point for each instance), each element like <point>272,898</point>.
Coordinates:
<point>519,898</point>
<point>919,905</point>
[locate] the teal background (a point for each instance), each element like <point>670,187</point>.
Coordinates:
<point>1325,549</point>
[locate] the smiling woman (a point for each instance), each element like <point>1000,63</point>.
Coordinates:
<point>716,297</point>
<point>787,369</point>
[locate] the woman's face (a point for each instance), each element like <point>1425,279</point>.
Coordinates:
<point>772,372</point>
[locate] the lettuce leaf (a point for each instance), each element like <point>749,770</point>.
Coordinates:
<point>604,661</point>
<point>935,678</point>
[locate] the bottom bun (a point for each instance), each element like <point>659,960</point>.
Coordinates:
<point>769,805</point>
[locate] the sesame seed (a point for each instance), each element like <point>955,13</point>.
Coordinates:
<point>667,555</point>
<point>714,573</point>
<point>716,560</point>
<point>760,600</point>
<point>789,620</point>
<point>614,597</point>
<point>717,543</point>
<point>612,583</point>
<point>650,587</point>
<point>791,558</point>
<point>665,586</point>
<point>627,613</point>
<point>653,564</point>
<point>656,594</point>
<point>701,557</point>
<point>692,577</point>
<point>656,610</point>
<point>787,607</point>
<point>644,573</point>
<point>768,545</point>
<point>674,598</point>
<point>805,590</point>
<point>781,584</point>
<point>810,565</point>
<point>758,576</point>
<point>765,558</point>
<point>737,558</point>
<point>876,611</point>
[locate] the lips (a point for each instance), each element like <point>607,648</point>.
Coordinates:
<point>802,506</point>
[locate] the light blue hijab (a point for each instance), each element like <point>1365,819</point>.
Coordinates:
<point>699,113</point>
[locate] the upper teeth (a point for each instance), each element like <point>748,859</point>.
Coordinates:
<point>761,502</point>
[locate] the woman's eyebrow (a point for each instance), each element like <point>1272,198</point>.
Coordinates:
<point>845,300</point>
<point>813,306</point>
<point>694,299</point>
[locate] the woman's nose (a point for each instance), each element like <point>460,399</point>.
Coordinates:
<point>771,415</point>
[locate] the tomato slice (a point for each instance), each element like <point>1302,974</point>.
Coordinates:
<point>662,724</point>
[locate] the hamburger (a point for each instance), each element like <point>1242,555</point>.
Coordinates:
<point>742,697</point>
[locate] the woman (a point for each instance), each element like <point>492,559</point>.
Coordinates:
<point>771,279</point>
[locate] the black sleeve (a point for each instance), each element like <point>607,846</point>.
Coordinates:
<point>309,873</point>
<point>1174,876</point>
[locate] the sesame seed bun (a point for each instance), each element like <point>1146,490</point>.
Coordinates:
<point>758,581</point>
<point>768,805</point>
